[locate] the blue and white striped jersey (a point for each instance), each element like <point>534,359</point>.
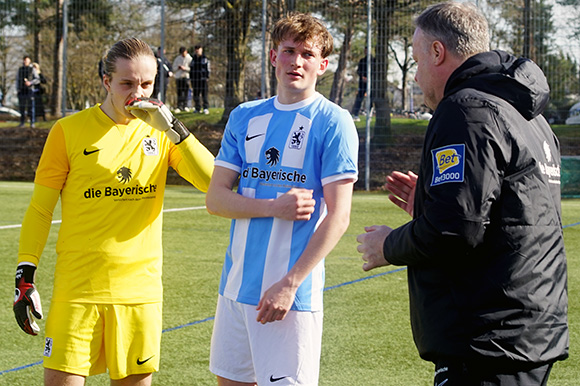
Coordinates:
<point>277,147</point>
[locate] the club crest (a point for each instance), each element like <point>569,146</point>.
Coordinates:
<point>297,138</point>
<point>150,146</point>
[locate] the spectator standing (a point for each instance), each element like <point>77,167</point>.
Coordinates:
<point>199,75</point>
<point>181,68</point>
<point>39,92</point>
<point>485,248</point>
<point>362,73</point>
<point>25,79</point>
<point>163,67</point>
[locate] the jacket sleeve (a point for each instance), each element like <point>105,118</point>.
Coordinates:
<point>451,216</point>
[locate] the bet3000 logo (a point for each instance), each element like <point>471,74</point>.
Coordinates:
<point>448,164</point>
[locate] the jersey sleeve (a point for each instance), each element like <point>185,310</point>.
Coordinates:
<point>194,163</point>
<point>229,156</point>
<point>340,156</point>
<point>54,165</point>
<point>36,224</point>
<point>51,175</point>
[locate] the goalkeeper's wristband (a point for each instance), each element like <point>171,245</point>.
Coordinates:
<point>178,132</point>
<point>26,273</point>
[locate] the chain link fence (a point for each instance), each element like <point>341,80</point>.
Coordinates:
<point>68,38</point>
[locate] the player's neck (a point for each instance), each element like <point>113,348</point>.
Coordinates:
<point>287,97</point>
<point>109,110</point>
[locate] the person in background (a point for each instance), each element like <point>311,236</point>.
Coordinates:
<point>199,75</point>
<point>25,79</point>
<point>181,67</point>
<point>485,249</point>
<point>108,164</point>
<point>362,73</point>
<point>163,66</point>
<point>294,160</point>
<point>39,92</point>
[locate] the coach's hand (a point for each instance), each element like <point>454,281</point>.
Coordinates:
<point>27,300</point>
<point>402,187</point>
<point>155,113</point>
<point>371,246</point>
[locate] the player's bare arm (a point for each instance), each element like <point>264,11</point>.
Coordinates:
<point>221,200</point>
<point>278,299</point>
<point>402,188</point>
<point>371,246</point>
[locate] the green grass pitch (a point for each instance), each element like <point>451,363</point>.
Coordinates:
<point>367,337</point>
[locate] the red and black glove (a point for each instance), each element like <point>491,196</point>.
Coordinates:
<point>26,299</point>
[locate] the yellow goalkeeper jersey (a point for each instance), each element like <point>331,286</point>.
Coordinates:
<point>112,180</point>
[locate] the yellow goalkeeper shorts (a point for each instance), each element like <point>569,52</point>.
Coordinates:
<point>87,339</point>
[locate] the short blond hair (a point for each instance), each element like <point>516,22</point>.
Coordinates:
<point>302,28</point>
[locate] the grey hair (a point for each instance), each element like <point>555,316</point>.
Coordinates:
<point>461,27</point>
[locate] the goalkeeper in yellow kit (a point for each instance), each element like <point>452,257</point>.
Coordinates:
<point>109,165</point>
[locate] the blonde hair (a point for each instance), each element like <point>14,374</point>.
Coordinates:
<point>125,49</point>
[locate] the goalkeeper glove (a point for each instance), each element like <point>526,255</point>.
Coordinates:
<point>156,114</point>
<point>27,299</point>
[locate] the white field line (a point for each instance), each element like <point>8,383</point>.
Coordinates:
<point>2,227</point>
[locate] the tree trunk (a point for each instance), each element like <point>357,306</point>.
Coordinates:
<point>379,85</point>
<point>238,17</point>
<point>56,97</point>
<point>337,90</point>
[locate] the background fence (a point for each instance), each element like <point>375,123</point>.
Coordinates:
<point>68,38</point>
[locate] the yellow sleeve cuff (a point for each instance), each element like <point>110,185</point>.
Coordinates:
<point>197,161</point>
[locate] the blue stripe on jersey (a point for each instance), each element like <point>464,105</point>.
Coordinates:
<point>276,147</point>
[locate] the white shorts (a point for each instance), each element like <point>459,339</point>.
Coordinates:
<point>284,352</point>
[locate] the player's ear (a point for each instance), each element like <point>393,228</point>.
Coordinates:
<point>323,66</point>
<point>273,56</point>
<point>107,82</point>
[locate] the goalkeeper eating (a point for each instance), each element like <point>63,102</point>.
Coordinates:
<point>109,166</point>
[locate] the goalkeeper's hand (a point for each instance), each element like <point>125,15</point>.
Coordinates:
<point>27,300</point>
<point>156,114</point>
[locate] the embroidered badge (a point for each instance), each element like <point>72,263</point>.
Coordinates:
<point>150,146</point>
<point>297,138</point>
<point>48,347</point>
<point>448,164</point>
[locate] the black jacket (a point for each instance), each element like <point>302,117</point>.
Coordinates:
<point>199,68</point>
<point>24,73</point>
<point>485,250</point>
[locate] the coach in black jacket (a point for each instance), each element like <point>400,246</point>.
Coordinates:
<point>485,250</point>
